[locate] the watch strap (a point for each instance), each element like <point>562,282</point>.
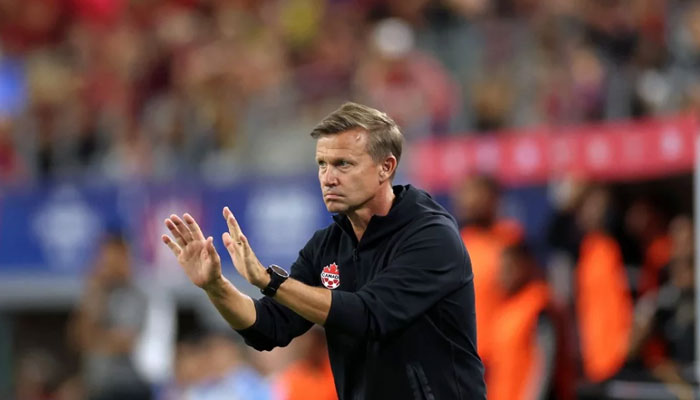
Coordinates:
<point>276,279</point>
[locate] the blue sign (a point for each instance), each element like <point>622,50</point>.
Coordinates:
<point>57,229</point>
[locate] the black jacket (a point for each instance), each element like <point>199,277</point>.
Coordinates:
<point>402,321</point>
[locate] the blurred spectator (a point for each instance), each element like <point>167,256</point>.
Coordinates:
<point>682,237</point>
<point>327,65</point>
<point>529,358</point>
<point>664,332</point>
<point>213,368</point>
<point>270,364</point>
<point>190,368</point>
<point>310,377</point>
<point>37,373</point>
<point>160,89</point>
<point>611,26</point>
<point>485,236</point>
<point>408,84</point>
<point>106,325</point>
<point>70,388</point>
<point>603,302</point>
<point>564,237</point>
<point>492,102</point>
<point>11,164</point>
<point>647,226</point>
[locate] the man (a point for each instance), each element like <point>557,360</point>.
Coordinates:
<point>530,358</point>
<point>107,324</point>
<point>220,372</point>
<point>486,235</point>
<point>390,279</point>
<point>603,303</point>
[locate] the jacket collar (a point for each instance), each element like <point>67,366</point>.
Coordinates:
<point>381,226</point>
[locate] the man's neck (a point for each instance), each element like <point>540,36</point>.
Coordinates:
<point>380,205</point>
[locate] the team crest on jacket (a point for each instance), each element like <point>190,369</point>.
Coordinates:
<point>330,277</point>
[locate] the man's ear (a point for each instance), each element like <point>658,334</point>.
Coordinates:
<point>387,168</point>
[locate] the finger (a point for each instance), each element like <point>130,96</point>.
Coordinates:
<point>193,226</point>
<point>184,230</point>
<point>226,238</point>
<point>175,232</point>
<point>211,249</point>
<point>172,245</point>
<point>232,223</point>
<point>230,244</point>
<point>244,244</point>
<point>247,249</point>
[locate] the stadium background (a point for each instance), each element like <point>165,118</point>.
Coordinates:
<point>115,113</point>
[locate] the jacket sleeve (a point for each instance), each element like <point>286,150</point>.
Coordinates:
<point>429,265</point>
<point>276,325</point>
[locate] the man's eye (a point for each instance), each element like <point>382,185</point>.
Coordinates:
<point>321,164</point>
<point>343,163</point>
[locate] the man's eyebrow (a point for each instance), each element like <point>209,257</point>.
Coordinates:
<point>333,159</point>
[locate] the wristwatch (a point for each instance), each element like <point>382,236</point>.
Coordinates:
<point>277,276</point>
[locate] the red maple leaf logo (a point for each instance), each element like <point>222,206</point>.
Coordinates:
<point>331,269</point>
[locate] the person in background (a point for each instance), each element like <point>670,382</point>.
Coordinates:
<point>35,373</point>
<point>603,303</point>
<point>645,223</point>
<point>564,236</point>
<point>664,328</point>
<point>310,377</point>
<point>485,235</point>
<point>190,368</point>
<point>409,83</point>
<point>529,355</point>
<point>106,325</point>
<point>227,376</point>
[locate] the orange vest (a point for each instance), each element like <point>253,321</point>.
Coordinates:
<point>302,381</point>
<point>485,247</point>
<point>603,306</point>
<point>514,360</point>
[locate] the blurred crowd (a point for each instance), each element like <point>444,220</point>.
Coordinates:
<point>208,361</point>
<point>612,297</point>
<point>157,89</point>
<point>219,89</point>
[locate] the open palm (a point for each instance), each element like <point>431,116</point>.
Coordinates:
<point>195,253</point>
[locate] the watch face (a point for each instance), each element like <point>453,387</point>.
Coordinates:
<point>279,271</point>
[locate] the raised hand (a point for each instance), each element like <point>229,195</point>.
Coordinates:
<point>195,253</point>
<point>242,254</point>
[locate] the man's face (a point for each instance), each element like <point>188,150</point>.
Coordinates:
<point>348,175</point>
<point>476,203</point>
<point>114,262</point>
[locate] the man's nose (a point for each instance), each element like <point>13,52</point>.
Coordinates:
<point>328,177</point>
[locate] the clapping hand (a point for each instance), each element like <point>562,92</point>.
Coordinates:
<point>198,257</point>
<point>195,253</point>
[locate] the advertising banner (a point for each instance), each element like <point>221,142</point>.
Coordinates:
<point>627,150</point>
